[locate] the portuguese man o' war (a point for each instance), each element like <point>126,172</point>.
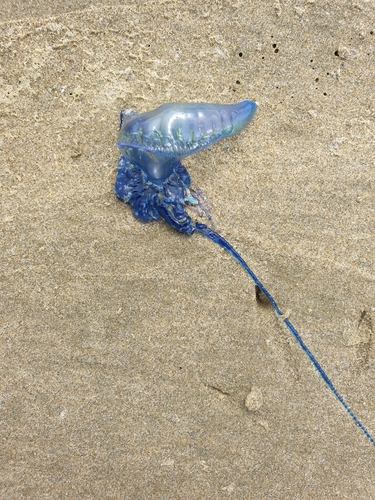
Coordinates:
<point>150,176</point>
<point>152,179</point>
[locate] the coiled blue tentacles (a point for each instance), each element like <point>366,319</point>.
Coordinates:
<point>153,181</point>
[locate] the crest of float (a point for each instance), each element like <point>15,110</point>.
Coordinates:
<point>152,179</point>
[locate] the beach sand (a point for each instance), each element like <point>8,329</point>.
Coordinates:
<point>135,361</point>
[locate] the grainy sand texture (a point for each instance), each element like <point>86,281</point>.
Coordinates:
<point>135,362</point>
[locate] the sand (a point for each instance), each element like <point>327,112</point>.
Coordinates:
<point>136,362</point>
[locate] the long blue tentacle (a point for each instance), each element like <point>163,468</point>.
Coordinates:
<point>216,238</point>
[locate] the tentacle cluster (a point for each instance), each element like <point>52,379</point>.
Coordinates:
<point>151,201</point>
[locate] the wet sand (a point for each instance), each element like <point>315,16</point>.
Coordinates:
<point>128,351</point>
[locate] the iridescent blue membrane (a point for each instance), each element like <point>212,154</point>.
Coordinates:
<point>159,139</point>
<point>153,181</point>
